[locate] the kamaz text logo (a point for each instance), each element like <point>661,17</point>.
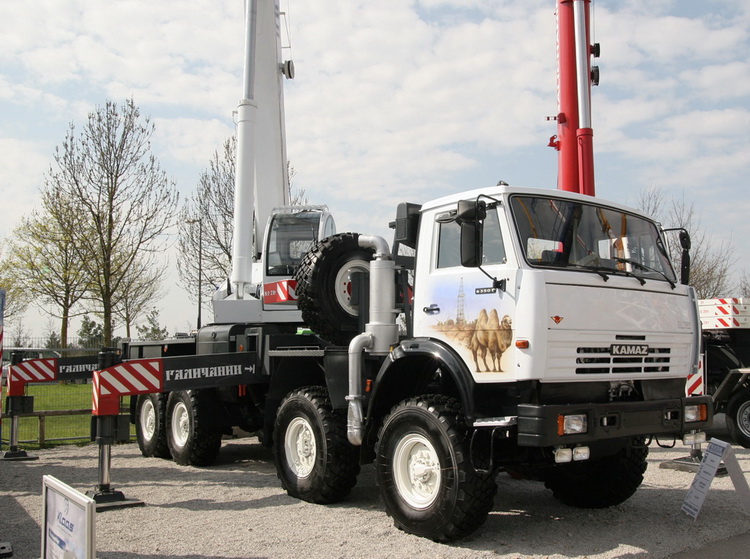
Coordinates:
<point>628,349</point>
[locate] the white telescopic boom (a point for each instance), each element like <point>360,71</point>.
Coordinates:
<point>261,181</point>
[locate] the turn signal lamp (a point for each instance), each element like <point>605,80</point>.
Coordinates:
<point>522,344</point>
<point>697,412</point>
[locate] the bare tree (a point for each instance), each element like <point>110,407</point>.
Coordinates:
<point>710,262</point>
<point>206,224</point>
<point>745,284</point>
<point>107,178</point>
<point>140,288</point>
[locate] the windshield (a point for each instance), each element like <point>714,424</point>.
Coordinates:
<point>291,236</point>
<point>568,234</point>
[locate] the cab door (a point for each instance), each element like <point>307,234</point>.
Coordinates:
<point>460,306</point>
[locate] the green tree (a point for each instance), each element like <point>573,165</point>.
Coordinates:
<point>17,298</point>
<point>91,333</point>
<point>108,179</point>
<point>44,260</point>
<point>151,330</point>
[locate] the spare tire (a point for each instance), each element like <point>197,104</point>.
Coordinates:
<point>324,286</point>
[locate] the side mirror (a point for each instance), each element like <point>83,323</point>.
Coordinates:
<point>685,259</point>
<point>470,214</point>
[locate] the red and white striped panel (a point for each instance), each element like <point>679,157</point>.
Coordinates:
<point>695,385</point>
<point>140,376</point>
<point>33,370</point>
<point>280,291</point>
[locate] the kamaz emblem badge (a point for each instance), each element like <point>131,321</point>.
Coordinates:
<point>556,319</point>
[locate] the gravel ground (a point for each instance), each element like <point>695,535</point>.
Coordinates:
<point>237,509</point>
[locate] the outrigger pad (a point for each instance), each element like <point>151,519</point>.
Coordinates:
<point>6,550</point>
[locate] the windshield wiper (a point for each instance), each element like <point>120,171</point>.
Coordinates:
<point>646,268</point>
<point>603,272</point>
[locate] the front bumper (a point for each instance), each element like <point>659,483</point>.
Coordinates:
<point>538,424</point>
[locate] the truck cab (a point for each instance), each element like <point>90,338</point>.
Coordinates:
<point>563,289</point>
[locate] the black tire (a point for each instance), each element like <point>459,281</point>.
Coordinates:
<point>324,286</point>
<point>738,417</point>
<point>150,425</point>
<point>192,440</point>
<point>599,483</point>
<point>314,460</point>
<point>427,482</point>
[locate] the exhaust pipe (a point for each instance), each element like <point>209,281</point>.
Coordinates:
<point>381,331</point>
<point>355,417</point>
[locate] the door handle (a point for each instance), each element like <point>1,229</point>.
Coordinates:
<point>432,309</point>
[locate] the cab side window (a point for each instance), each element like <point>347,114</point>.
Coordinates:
<point>494,249</point>
<point>449,243</point>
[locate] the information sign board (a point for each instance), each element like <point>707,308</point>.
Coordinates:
<point>68,522</point>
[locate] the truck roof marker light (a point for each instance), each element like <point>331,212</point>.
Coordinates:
<point>522,344</point>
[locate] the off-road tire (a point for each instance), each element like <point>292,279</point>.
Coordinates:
<point>738,417</point>
<point>314,460</point>
<point>599,483</point>
<point>323,286</point>
<point>150,425</point>
<point>192,439</point>
<point>424,471</point>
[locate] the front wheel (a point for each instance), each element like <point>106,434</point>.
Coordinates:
<point>738,417</point>
<point>150,426</point>
<point>314,460</point>
<point>427,482</point>
<point>191,438</point>
<point>603,482</point>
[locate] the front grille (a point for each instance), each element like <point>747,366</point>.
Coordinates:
<point>599,361</point>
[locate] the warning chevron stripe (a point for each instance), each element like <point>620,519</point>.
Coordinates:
<point>140,376</point>
<point>33,370</point>
<point>131,378</point>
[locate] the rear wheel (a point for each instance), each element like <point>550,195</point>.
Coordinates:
<point>324,286</point>
<point>191,438</point>
<point>600,482</point>
<point>150,428</point>
<point>314,460</point>
<point>424,473</point>
<point>738,417</point>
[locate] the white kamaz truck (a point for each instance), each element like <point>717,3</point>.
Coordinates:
<point>544,333</point>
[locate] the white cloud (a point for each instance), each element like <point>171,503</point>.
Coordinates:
<point>393,100</point>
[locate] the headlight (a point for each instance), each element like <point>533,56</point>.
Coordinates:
<point>574,424</point>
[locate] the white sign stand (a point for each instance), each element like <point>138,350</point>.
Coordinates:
<point>716,452</point>
<point>68,525</point>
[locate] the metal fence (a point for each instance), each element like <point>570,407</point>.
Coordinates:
<point>62,409</point>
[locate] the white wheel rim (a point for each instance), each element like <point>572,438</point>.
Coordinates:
<point>180,424</point>
<point>300,448</point>
<point>743,418</point>
<point>148,419</point>
<point>416,471</point>
<point>344,284</point>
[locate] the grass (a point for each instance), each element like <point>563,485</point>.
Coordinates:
<point>68,429</point>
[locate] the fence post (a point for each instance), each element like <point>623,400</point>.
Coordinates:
<point>108,428</point>
<point>16,405</point>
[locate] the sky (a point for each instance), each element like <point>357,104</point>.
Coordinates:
<point>394,100</point>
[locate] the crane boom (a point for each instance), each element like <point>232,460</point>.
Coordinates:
<point>574,132</point>
<point>261,180</point>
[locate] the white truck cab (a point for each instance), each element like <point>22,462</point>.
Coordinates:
<point>568,289</point>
